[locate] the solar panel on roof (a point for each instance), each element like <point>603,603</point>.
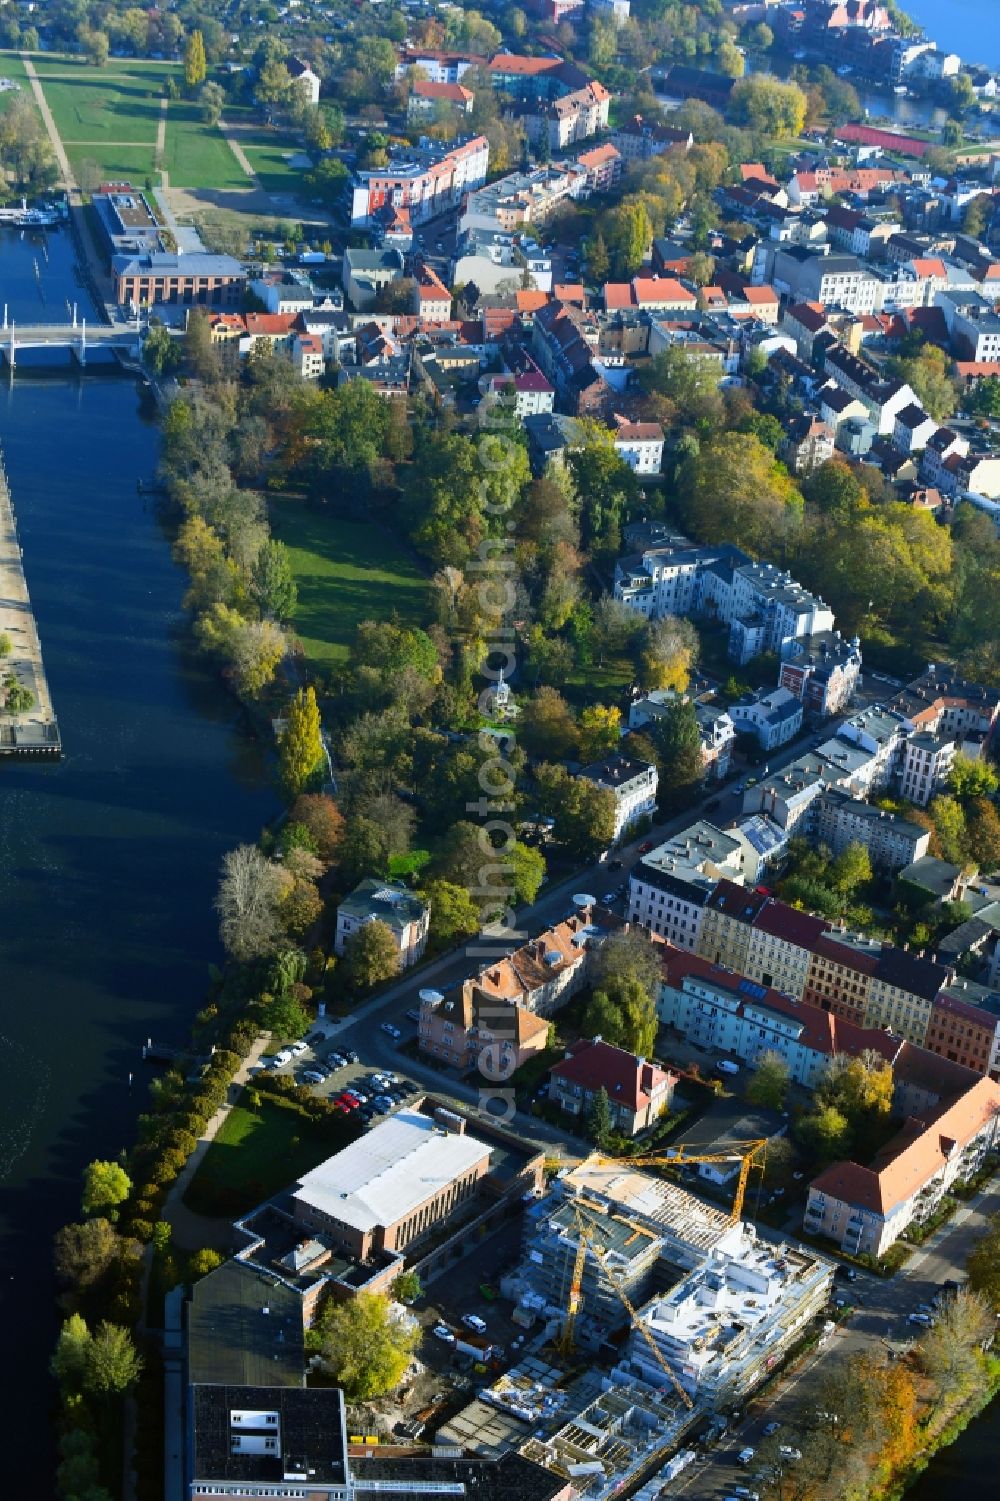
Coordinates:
<point>752,989</point>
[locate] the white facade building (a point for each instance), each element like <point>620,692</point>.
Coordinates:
<point>634,786</point>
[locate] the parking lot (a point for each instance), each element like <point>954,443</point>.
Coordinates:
<point>337,1073</point>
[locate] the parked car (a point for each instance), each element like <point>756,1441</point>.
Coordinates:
<point>923,1319</point>
<point>770,1428</point>
<point>645,846</point>
<point>352,1057</point>
<point>298,1048</point>
<point>474,1322</point>
<point>391,1031</point>
<point>615,864</point>
<point>313,1076</point>
<point>285,1056</point>
<point>745,1456</point>
<point>726,1066</point>
<point>787,1452</point>
<point>442,1332</point>
<point>413,1014</point>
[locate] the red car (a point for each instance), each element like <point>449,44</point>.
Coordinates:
<point>645,846</point>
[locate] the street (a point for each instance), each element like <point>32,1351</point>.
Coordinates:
<point>880,1322</point>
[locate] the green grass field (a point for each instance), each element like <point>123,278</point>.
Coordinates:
<point>197,155</point>
<point>104,109</point>
<point>115,163</point>
<point>256,1153</point>
<point>346,572</point>
<point>270,164</point>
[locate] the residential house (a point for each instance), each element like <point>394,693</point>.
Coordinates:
<point>304,78</point>
<point>426,98</point>
<point>367,272</point>
<point>470,1028</point>
<point>714,724</point>
<point>426,180</point>
<point>809,442</point>
<point>640,444</point>
<point>633,784</point>
<point>307,355</point>
<point>771,718</point>
<point>638,1091</point>
<point>401,910</point>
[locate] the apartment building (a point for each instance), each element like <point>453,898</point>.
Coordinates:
<point>638,1091</point>
<point>633,784</point>
<point>669,887</point>
<point>522,198</point>
<point>573,117</point>
<point>822,670</point>
<point>837,281</point>
<point>472,1028</point>
<point>714,724</point>
<point>865,1210</point>
<point>427,181</point>
<point>964,1026</point>
<point>928,757</point>
<point>722,1328</point>
<point>640,445</point>
<point>892,842</point>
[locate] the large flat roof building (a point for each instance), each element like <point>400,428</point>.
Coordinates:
<point>268,1441</point>
<point>386,1189</point>
<point>190,280</point>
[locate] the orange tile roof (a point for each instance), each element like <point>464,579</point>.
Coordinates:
<point>270,323</point>
<point>531,301</point>
<point>599,154</point>
<point>569,291</point>
<point>512,62</point>
<point>661,289</point>
<point>918,1151</point>
<point>760,295</point>
<point>617,294</point>
<point>929,267</point>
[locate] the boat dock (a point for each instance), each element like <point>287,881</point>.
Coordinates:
<point>35,733</point>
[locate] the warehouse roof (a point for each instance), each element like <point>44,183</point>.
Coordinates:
<point>389,1171</point>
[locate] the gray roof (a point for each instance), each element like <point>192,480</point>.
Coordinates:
<point>232,1341</point>
<point>390,903</point>
<point>176,263</point>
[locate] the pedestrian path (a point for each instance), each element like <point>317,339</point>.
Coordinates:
<point>69,181</point>
<point>193,1231</point>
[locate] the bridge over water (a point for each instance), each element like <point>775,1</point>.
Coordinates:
<point>76,337</point>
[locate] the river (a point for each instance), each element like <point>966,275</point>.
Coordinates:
<point>968,27</point>
<point>108,861</point>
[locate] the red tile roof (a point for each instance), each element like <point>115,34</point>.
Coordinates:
<point>628,1080</point>
<point>617,294</point>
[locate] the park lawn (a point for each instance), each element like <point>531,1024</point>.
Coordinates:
<point>598,683</point>
<point>197,155</point>
<point>114,163</point>
<point>97,108</point>
<point>256,1153</point>
<point>346,571</point>
<point>271,166</point>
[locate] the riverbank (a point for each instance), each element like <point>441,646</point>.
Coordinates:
<point>34,732</point>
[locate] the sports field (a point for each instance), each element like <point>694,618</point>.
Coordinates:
<point>346,572</point>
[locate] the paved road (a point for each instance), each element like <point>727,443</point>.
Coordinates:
<point>880,1320</point>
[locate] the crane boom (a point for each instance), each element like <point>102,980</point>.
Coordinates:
<point>584,1237</point>
<point>746,1153</point>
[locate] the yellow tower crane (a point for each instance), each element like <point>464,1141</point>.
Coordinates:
<point>586,1235</point>
<point>748,1154</point>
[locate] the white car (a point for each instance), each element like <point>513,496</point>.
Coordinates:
<point>390,1030</point>
<point>745,1455</point>
<point>298,1048</point>
<point>787,1452</point>
<point>285,1056</point>
<point>474,1322</point>
<point>442,1332</point>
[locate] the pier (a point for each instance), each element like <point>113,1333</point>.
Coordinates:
<point>35,733</point>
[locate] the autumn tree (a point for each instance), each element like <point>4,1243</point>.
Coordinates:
<point>105,1186</point>
<point>599,1118</point>
<point>668,653</point>
<point>69,1361</point>
<point>768,107</point>
<point>371,955</point>
<point>546,726</point>
<point>365,1346</point>
<point>249,650</point>
<point>300,745</point>
<point>676,735</point>
<point>929,374</point>
<point>84,1253</point>
<point>735,490</point>
<point>599,730</point>
<point>195,65</point>
<point>454,914</point>
<point>112,1364</point>
<point>624,1014</point>
<point>323,821</point>
<point>951,1352</point>
<point>583,812</point>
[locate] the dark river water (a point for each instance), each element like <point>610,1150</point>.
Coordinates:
<point>108,861</point>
